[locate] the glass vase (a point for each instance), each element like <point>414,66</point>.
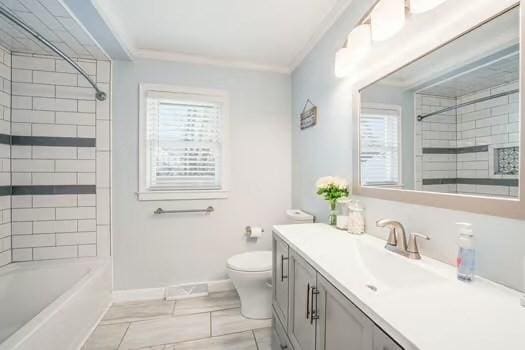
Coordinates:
<point>332,218</point>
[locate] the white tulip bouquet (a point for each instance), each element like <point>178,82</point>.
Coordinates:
<point>332,188</point>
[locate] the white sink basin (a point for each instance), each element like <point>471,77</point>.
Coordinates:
<point>387,270</point>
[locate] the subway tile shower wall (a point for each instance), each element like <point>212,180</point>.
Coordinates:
<point>493,124</point>
<point>5,155</point>
<point>61,159</point>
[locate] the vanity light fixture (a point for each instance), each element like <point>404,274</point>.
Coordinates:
<point>343,62</point>
<point>358,43</point>
<point>387,18</point>
<point>420,6</point>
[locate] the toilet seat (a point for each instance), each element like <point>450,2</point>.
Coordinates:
<point>256,261</point>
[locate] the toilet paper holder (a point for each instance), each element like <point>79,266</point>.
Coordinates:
<point>248,230</point>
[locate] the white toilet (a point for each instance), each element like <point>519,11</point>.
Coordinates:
<point>251,274</point>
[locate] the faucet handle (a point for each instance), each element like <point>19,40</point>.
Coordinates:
<point>413,249</point>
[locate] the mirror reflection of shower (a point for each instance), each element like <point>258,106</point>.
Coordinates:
<point>450,121</point>
<point>468,127</point>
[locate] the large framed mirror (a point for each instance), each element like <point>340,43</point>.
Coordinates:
<point>445,128</point>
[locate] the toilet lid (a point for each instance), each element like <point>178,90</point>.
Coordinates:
<point>251,261</point>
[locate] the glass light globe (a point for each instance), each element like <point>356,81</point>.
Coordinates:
<point>419,6</point>
<point>387,18</point>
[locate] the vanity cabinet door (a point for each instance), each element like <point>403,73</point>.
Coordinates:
<point>341,325</point>
<point>302,281</point>
<point>383,341</point>
<point>280,279</point>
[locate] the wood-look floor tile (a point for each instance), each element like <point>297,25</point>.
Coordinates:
<point>263,336</point>
<point>166,330</point>
<point>136,311</point>
<point>106,337</point>
<point>231,321</point>
<point>212,302</point>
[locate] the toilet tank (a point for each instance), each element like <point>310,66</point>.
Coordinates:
<point>297,216</point>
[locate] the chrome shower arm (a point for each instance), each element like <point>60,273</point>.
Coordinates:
<point>100,95</point>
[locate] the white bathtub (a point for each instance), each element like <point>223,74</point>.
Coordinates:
<point>52,304</point>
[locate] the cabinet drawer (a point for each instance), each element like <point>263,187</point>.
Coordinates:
<point>279,338</point>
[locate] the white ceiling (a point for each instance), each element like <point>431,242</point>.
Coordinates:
<point>499,72</point>
<point>271,34</point>
<point>53,21</point>
<point>490,39</point>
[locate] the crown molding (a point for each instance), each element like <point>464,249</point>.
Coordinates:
<point>321,30</point>
<point>199,59</point>
<point>111,22</point>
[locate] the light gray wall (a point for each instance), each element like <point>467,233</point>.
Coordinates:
<point>326,150</point>
<point>153,251</point>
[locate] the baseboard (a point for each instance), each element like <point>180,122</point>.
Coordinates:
<point>120,296</point>
<point>220,286</point>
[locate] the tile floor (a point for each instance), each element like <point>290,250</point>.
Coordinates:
<point>213,322</point>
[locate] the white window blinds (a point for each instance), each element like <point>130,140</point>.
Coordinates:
<point>380,146</point>
<point>184,140</point>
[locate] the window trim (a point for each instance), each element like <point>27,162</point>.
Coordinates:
<point>399,111</point>
<point>149,195</point>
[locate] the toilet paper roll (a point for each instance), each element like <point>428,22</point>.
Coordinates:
<point>256,232</point>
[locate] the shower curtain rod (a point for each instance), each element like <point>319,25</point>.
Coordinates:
<point>423,116</point>
<point>100,95</point>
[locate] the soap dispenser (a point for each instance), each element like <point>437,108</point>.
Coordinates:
<point>466,260</point>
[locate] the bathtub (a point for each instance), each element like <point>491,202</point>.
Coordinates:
<point>52,304</point>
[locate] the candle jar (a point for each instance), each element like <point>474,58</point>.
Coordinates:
<point>342,214</point>
<point>356,218</point>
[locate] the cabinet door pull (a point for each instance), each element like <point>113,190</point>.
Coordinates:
<point>283,347</point>
<point>313,312</point>
<point>283,258</point>
<point>308,301</point>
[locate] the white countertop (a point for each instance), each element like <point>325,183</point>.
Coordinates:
<point>419,303</point>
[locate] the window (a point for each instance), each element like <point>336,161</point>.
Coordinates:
<point>182,138</point>
<point>380,145</point>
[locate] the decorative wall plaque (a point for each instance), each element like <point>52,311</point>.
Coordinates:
<point>308,115</point>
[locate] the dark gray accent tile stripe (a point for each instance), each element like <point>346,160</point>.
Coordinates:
<point>440,181</point>
<point>472,181</point>
<point>439,150</point>
<point>455,150</point>
<point>491,182</point>
<point>53,141</point>
<point>473,149</point>
<point>5,139</point>
<point>5,190</point>
<point>59,189</point>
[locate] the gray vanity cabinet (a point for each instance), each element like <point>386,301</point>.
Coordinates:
<point>383,341</point>
<point>341,325</point>
<point>301,323</point>
<point>280,279</point>
<point>311,314</point>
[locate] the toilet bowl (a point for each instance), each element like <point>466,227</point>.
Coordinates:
<point>251,274</point>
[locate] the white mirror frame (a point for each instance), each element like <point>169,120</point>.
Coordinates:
<point>504,207</point>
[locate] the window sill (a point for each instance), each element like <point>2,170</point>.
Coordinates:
<point>180,195</point>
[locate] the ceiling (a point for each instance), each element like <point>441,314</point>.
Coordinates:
<point>54,22</point>
<point>487,43</point>
<point>496,73</point>
<point>273,34</point>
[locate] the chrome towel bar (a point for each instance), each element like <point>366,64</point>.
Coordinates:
<point>208,210</point>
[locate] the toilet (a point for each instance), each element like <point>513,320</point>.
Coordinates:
<point>251,274</point>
